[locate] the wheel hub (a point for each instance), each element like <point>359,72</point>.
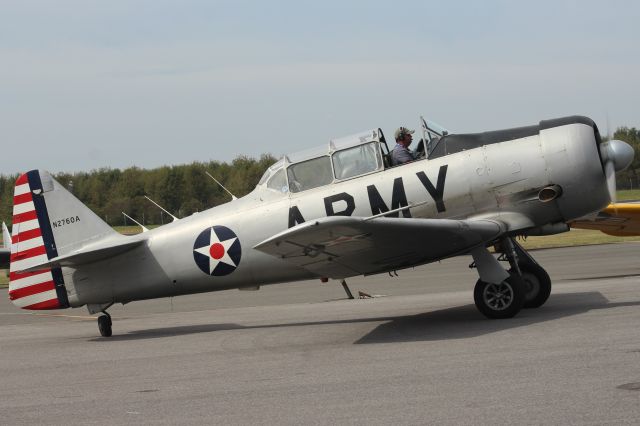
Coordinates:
<point>498,296</point>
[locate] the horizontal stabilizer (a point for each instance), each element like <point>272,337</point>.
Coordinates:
<point>339,247</point>
<point>98,251</point>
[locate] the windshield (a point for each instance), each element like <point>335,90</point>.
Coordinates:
<point>432,128</point>
<point>431,134</point>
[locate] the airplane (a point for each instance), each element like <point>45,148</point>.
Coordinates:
<point>620,219</point>
<point>5,250</point>
<point>334,212</point>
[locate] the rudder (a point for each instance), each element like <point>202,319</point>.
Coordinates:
<point>48,221</point>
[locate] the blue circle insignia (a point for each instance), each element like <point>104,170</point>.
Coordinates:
<point>217,251</point>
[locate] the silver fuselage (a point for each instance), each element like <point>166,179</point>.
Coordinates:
<point>496,180</point>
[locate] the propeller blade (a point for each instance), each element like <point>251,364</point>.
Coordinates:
<point>616,156</point>
<point>610,173</point>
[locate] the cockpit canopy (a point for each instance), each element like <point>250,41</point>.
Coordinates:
<point>341,159</point>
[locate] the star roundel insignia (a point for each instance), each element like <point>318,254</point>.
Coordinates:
<point>217,251</point>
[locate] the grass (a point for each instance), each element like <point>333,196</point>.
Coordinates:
<point>628,195</point>
<point>575,237</point>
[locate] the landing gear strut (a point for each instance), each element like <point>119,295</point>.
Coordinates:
<point>537,284</point>
<point>104,324</point>
<point>501,294</point>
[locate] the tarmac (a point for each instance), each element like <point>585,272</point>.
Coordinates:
<point>301,353</point>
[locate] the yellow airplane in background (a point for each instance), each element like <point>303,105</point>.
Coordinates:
<point>617,219</point>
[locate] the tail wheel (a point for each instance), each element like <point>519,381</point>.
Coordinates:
<point>537,285</point>
<point>104,325</point>
<point>503,300</point>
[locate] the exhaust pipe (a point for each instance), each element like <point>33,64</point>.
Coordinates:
<point>549,193</point>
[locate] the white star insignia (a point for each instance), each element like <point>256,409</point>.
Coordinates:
<point>217,251</point>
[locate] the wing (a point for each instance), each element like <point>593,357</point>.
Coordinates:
<point>620,219</point>
<point>339,247</point>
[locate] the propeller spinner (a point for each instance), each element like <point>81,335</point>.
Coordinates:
<point>616,156</point>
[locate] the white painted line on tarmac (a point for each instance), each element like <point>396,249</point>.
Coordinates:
<point>83,317</point>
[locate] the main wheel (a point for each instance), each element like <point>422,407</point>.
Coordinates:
<point>502,300</point>
<point>537,285</point>
<point>104,325</point>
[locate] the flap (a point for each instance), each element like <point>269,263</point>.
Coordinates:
<point>339,247</point>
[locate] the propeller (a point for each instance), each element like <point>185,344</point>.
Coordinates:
<point>616,156</point>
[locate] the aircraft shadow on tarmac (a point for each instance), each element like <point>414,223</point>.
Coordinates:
<point>452,323</point>
<point>602,277</point>
<point>465,321</point>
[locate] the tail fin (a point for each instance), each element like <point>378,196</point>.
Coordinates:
<point>48,221</point>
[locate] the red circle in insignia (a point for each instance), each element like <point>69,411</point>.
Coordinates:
<point>216,251</point>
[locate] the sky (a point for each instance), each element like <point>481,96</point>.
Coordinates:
<point>89,84</point>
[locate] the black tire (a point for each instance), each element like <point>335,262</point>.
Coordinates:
<point>104,325</point>
<point>537,285</point>
<point>499,301</point>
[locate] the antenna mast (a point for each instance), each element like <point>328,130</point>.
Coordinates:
<point>233,197</point>
<point>160,207</point>
<point>144,228</point>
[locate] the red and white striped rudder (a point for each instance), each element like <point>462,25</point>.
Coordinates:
<point>33,244</point>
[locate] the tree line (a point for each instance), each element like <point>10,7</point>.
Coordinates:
<point>181,189</point>
<point>186,189</point>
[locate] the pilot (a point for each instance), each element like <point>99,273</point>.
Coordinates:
<point>401,153</point>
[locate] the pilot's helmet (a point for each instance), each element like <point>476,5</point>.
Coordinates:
<point>403,131</point>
